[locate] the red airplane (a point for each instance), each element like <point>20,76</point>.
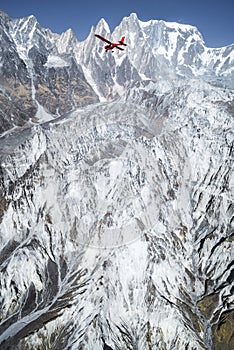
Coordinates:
<point>111,45</point>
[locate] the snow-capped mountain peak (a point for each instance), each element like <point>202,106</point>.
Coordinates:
<point>102,27</point>
<point>67,42</point>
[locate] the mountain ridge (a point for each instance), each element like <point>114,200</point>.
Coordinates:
<point>165,51</point>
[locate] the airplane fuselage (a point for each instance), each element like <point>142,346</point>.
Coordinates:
<point>112,45</point>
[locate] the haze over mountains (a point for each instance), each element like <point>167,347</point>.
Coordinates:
<point>116,192</point>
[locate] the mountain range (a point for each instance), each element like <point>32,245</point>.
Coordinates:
<point>116,191</point>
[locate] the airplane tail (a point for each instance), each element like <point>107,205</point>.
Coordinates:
<point>122,41</point>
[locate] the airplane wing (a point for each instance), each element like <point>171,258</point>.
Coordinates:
<point>117,47</point>
<point>103,39</point>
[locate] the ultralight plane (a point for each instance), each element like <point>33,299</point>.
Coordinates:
<point>112,45</point>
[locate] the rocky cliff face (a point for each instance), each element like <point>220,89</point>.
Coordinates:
<point>116,218</point>
<point>36,82</point>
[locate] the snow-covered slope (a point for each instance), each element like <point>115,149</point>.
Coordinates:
<point>116,217</point>
<point>116,226</point>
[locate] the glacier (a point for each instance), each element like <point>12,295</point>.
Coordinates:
<point>117,188</point>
